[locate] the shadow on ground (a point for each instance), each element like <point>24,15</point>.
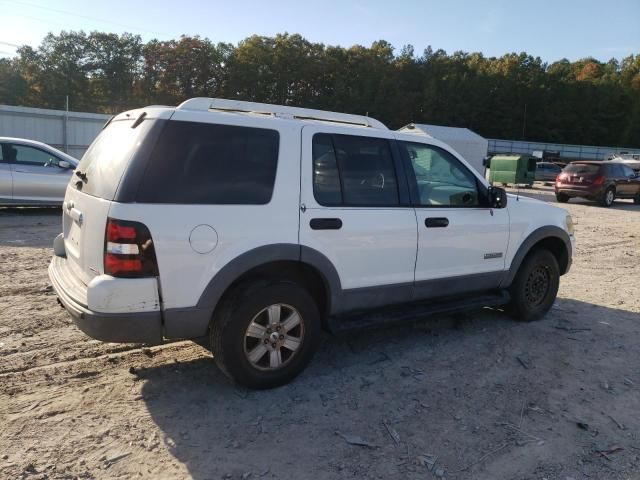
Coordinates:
<point>446,388</point>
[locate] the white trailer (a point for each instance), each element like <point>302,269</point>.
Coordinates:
<point>471,146</point>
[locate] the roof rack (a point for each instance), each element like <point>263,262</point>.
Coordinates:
<point>279,111</point>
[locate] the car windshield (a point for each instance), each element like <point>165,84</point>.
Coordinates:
<point>582,168</point>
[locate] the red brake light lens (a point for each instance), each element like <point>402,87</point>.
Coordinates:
<point>115,265</point>
<point>129,250</point>
<point>599,180</point>
<point>116,231</point>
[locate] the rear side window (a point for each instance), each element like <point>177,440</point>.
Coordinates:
<point>350,170</point>
<point>201,163</point>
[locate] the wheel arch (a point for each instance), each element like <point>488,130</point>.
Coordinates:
<point>279,261</point>
<point>551,238</point>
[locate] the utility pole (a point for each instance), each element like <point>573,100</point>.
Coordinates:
<point>524,122</point>
<point>65,129</point>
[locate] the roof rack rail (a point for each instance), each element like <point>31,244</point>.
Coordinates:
<point>280,111</point>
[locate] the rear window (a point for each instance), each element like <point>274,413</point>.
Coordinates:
<point>200,163</point>
<point>582,168</point>
<point>351,170</point>
<point>108,156</point>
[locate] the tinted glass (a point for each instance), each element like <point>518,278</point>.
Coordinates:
<point>108,156</point>
<point>201,163</point>
<point>367,174</point>
<point>24,155</point>
<point>582,168</point>
<point>326,179</point>
<point>628,171</point>
<point>441,179</point>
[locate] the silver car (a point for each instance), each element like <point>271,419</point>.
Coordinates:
<point>547,171</point>
<point>33,173</point>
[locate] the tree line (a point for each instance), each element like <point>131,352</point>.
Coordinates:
<point>515,96</point>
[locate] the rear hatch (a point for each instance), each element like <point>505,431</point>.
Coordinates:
<point>579,174</point>
<point>97,181</point>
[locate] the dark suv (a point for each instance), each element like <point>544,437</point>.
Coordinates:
<point>600,181</point>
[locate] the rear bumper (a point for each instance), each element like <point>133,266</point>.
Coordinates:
<point>124,327</point>
<point>577,191</point>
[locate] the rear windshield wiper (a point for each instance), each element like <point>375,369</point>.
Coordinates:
<point>83,176</point>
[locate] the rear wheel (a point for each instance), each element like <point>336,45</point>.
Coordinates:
<point>265,333</point>
<point>535,287</point>
<point>562,197</point>
<point>636,199</point>
<point>608,197</point>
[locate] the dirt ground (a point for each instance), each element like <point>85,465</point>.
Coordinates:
<point>479,396</point>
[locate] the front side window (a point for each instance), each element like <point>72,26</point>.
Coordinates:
<point>202,163</point>
<point>23,155</point>
<point>351,170</point>
<point>628,171</point>
<point>441,179</point>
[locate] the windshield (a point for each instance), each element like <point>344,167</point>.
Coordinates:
<point>101,168</point>
<point>582,168</point>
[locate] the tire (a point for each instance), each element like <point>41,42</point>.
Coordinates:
<point>636,199</point>
<point>246,355</point>
<point>535,287</point>
<point>608,197</point>
<point>562,197</point>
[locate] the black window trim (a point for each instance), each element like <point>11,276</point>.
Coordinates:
<point>413,181</point>
<point>398,168</point>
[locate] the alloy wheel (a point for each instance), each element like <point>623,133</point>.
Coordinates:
<point>273,337</point>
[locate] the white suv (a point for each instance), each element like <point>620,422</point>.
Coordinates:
<point>259,225</point>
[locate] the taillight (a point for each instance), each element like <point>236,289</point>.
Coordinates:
<point>599,180</point>
<point>560,178</point>
<point>128,250</point>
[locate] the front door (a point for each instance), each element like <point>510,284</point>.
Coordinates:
<point>355,211</point>
<point>461,243</point>
<point>36,174</point>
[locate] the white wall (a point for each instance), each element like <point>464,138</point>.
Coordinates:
<point>51,127</point>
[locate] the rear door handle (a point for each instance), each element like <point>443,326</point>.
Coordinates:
<point>325,224</point>
<point>436,222</point>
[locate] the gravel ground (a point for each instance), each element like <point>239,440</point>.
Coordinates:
<point>476,396</point>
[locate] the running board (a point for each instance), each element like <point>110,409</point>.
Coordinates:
<point>414,311</point>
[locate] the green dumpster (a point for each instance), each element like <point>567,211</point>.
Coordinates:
<point>513,169</point>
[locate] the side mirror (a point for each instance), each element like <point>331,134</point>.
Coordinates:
<point>497,197</point>
<point>64,164</point>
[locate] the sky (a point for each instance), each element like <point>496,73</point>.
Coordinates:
<point>550,29</point>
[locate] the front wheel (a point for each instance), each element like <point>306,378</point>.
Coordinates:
<point>535,287</point>
<point>265,333</point>
<point>636,199</point>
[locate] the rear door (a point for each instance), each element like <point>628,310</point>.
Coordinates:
<point>6,180</point>
<point>36,174</point>
<point>355,211</point>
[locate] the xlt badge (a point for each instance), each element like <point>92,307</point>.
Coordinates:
<point>488,256</point>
